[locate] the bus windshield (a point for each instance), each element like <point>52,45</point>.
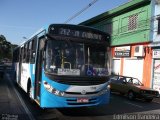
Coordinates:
<point>75,59</point>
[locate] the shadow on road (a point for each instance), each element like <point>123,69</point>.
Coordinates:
<point>118,105</point>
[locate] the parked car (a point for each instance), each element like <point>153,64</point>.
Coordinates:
<point>132,87</point>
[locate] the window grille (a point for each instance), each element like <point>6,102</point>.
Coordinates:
<point>132,22</point>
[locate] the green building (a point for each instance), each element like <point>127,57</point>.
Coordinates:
<point>129,21</point>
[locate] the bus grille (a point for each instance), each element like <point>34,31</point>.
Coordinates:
<point>79,93</point>
<point>83,83</point>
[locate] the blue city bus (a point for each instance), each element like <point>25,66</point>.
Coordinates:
<point>65,65</point>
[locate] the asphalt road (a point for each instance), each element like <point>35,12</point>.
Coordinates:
<point>119,107</point>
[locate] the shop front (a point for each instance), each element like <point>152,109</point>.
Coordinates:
<point>133,61</point>
<point>156,70</point>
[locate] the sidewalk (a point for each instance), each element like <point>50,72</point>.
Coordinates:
<point>10,105</point>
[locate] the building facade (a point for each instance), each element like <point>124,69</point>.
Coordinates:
<point>155,45</point>
<point>131,28</point>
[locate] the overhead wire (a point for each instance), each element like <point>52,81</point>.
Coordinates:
<point>81,11</point>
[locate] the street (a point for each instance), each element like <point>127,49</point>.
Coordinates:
<point>21,107</point>
<point>58,58</point>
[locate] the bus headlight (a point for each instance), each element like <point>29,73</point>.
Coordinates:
<point>52,90</point>
<point>108,86</point>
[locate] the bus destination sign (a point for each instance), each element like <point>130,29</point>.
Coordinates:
<point>81,34</point>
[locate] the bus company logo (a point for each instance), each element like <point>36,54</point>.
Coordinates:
<point>83,92</point>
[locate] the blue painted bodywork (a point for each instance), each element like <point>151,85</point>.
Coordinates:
<point>49,100</point>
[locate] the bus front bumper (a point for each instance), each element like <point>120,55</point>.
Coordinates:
<point>49,100</point>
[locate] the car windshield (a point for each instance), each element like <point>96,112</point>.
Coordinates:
<point>71,58</point>
<point>134,81</point>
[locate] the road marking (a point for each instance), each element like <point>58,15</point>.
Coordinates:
<point>21,100</point>
<point>134,104</point>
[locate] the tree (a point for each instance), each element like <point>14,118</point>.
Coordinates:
<point>5,48</point>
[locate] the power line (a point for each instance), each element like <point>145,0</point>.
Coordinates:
<point>78,13</point>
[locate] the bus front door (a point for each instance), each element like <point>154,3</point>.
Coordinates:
<point>38,73</point>
<point>20,65</point>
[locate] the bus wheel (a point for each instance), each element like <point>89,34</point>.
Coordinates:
<point>29,92</point>
<point>29,89</point>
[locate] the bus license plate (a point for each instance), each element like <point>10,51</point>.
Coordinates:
<point>82,100</point>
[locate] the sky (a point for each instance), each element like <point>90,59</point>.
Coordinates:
<point>20,19</point>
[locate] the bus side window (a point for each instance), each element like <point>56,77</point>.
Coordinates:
<point>30,47</point>
<point>31,55</point>
<point>33,51</point>
<point>22,54</point>
<point>27,53</point>
<point>16,55</point>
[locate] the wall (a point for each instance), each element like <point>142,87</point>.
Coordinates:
<point>155,79</point>
<point>139,67</point>
<point>118,26</point>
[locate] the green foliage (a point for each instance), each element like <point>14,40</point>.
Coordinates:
<point>5,48</point>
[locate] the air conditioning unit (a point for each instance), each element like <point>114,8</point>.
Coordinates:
<point>139,51</point>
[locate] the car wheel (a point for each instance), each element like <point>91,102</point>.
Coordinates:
<point>149,100</point>
<point>131,95</point>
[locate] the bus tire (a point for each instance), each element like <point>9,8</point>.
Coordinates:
<point>29,88</point>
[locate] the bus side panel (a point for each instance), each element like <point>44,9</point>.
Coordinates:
<point>25,75</point>
<point>16,68</point>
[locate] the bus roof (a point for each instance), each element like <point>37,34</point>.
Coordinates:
<point>47,29</point>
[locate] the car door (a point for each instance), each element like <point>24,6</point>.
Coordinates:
<point>122,86</point>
